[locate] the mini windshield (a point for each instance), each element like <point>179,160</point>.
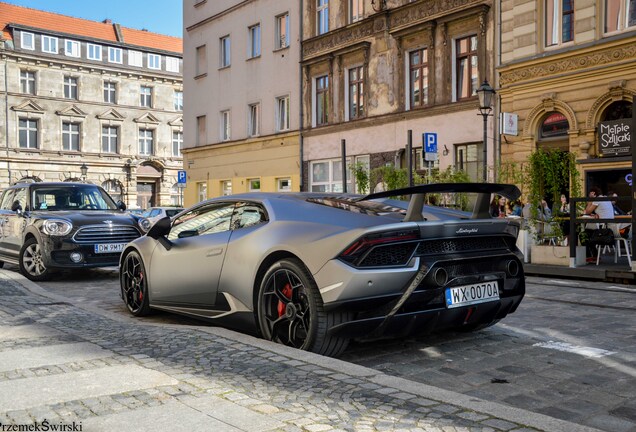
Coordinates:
<point>71,197</point>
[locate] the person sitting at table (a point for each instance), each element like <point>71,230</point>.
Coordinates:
<point>617,210</point>
<point>599,210</point>
<point>563,211</point>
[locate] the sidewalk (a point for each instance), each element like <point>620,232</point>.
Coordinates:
<point>78,366</point>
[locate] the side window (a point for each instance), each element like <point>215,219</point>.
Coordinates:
<point>155,212</point>
<point>21,196</point>
<point>208,219</point>
<point>247,215</point>
<point>7,200</point>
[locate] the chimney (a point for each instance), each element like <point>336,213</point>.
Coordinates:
<point>107,21</point>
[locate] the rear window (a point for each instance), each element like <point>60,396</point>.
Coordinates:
<point>373,208</point>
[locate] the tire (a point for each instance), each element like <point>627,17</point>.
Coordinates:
<point>291,312</point>
<point>31,263</point>
<point>134,285</point>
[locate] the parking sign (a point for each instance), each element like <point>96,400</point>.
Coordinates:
<point>430,142</point>
<point>181,177</point>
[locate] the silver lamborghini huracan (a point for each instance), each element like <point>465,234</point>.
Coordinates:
<point>313,271</point>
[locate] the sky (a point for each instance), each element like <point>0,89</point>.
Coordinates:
<point>158,16</point>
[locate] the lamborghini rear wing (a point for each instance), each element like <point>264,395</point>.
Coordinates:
<point>482,205</point>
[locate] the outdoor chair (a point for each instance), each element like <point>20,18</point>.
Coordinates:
<point>618,250</point>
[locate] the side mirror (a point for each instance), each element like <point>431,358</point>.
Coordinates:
<point>190,233</point>
<point>16,207</point>
<point>160,228</point>
<point>121,206</point>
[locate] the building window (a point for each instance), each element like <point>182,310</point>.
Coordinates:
<point>175,195</point>
<point>178,100</point>
<point>202,134</point>
<point>322,16</point>
<point>94,52</point>
<point>283,184</point>
<point>70,87</point>
<point>619,15</point>
<point>254,185</point>
<point>559,22</point>
<point>253,119</point>
<point>554,125</point>
<point>282,113</point>
<point>356,93</point>
<point>72,48</point>
<point>356,10</point>
<point>255,41</point>
<point>326,176</point>
<point>49,44</point>
<point>28,133</point>
<point>467,159</point>
<point>135,58</point>
<point>114,55</point>
<point>225,51</point>
<point>145,142</point>
<point>202,191</point>
<point>225,126</point>
<point>145,99</point>
<point>110,139</point>
<point>27,82</point>
<point>172,64</point>
<point>364,162</point>
<point>110,92</point>
<point>418,81</point>
<point>177,143</point>
<point>466,67</point>
<point>226,187</point>
<point>70,136</point>
<point>282,31</point>
<point>201,61</point>
<point>154,61</point>
<point>322,100</point>
<point>27,40</point>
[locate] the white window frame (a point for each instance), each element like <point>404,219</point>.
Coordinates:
<point>29,128</point>
<point>332,184</point>
<point>177,142</point>
<point>115,55</point>
<point>356,15</point>
<point>225,52</point>
<point>254,40</point>
<point>226,187</point>
<point>225,126</point>
<point>71,134</point>
<point>172,64</point>
<point>622,17</point>
<point>282,113</point>
<point>557,25</point>
<point>280,187</point>
<point>366,161</point>
<point>71,84</point>
<point>71,48</point>
<point>177,99</point>
<point>111,91</point>
<point>253,119</point>
<point>135,58</point>
<point>28,81</point>
<point>145,96</point>
<point>322,17</point>
<point>250,184</point>
<point>282,40</point>
<point>154,61</point>
<point>50,41</point>
<point>24,36</point>
<point>97,52</point>
<point>109,138</point>
<point>146,138</point>
<point>202,191</point>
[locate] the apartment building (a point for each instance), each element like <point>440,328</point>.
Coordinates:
<point>242,84</point>
<point>568,72</point>
<point>92,101</point>
<point>374,69</point>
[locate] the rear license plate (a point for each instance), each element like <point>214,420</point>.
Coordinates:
<point>109,247</point>
<point>472,294</point>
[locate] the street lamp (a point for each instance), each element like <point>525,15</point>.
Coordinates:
<point>84,170</point>
<point>486,95</point>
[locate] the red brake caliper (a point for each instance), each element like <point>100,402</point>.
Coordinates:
<point>287,292</point>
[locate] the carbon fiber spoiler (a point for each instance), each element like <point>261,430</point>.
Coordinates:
<point>482,205</point>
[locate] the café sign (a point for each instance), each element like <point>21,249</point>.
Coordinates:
<point>614,138</point>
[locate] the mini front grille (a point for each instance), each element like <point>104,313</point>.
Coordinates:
<point>106,234</point>
<point>442,246</point>
<point>390,255</point>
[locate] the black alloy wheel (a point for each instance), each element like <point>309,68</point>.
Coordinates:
<point>134,286</point>
<point>290,310</point>
<point>31,261</point>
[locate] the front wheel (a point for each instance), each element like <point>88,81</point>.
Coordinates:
<point>134,285</point>
<point>291,312</point>
<point>32,263</point>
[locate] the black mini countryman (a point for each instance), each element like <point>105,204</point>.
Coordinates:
<point>48,226</point>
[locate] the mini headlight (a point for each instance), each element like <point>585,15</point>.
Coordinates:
<point>144,224</point>
<point>56,227</point>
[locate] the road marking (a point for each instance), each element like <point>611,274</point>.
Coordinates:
<point>580,350</point>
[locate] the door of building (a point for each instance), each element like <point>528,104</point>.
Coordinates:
<point>145,195</point>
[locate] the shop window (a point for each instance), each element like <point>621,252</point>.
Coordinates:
<point>617,111</point>
<point>554,125</point>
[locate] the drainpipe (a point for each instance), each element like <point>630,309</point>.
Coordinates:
<point>301,111</point>
<point>6,115</point>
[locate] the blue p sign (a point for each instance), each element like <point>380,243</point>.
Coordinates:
<point>181,177</point>
<point>430,142</point>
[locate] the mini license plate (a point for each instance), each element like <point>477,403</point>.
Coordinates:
<point>109,247</point>
<point>472,294</point>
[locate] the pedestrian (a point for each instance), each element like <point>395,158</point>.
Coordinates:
<point>562,211</point>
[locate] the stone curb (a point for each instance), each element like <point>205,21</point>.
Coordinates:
<point>503,412</point>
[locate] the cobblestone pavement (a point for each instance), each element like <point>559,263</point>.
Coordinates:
<point>132,374</point>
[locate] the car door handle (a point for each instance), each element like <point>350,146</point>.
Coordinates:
<point>214,252</point>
